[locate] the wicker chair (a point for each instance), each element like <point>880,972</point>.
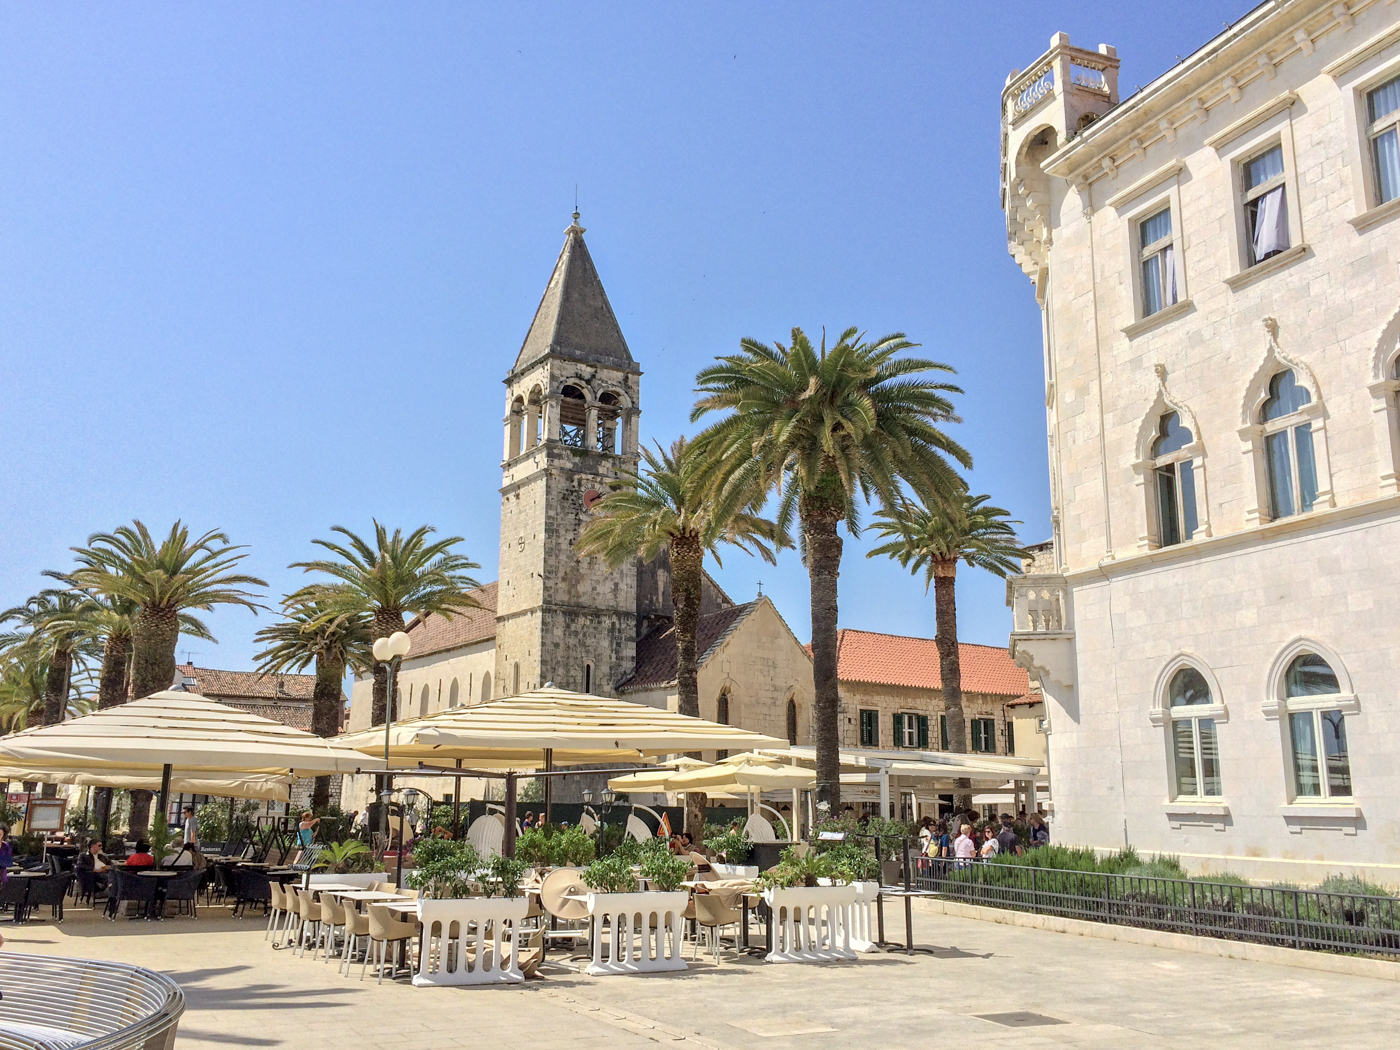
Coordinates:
<point>129,887</point>
<point>184,889</point>
<point>250,887</point>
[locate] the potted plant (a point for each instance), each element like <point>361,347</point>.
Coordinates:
<point>732,847</point>
<point>811,922</point>
<point>637,932</point>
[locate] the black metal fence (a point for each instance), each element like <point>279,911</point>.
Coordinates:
<point>1290,918</point>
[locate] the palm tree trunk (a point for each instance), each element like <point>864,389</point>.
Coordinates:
<point>325,718</point>
<point>945,604</point>
<point>687,573</point>
<point>155,632</point>
<point>56,686</point>
<point>111,681</point>
<point>819,522</point>
<point>111,692</point>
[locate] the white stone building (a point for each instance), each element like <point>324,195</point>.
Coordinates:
<point>1215,258</point>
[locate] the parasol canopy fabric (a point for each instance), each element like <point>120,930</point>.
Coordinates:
<point>264,787</point>
<point>655,779</point>
<point>744,773</point>
<point>576,728</point>
<point>185,731</point>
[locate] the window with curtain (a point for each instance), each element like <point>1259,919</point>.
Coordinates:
<point>1383,108</point>
<point>984,735</point>
<point>1317,733</point>
<point>1288,448</point>
<point>870,728</point>
<point>1157,259</point>
<point>1265,205</point>
<point>1175,488</point>
<point>1194,744</point>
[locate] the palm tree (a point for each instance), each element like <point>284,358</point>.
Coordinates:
<point>162,581</point>
<point>934,542</point>
<point>394,575</point>
<point>23,676</point>
<point>56,623</point>
<point>823,427</point>
<point>333,640</point>
<point>667,507</point>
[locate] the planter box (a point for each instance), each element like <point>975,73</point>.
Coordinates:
<point>637,932</point>
<point>470,940</point>
<point>863,917</point>
<point>811,923</point>
<point>735,871</point>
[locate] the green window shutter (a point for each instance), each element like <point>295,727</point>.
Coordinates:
<point>898,730</point>
<point>977,735</point>
<point>923,731</point>
<point>943,732</point>
<point>1010,738</point>
<point>870,729</point>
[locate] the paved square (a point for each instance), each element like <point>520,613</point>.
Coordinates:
<point>1107,994</point>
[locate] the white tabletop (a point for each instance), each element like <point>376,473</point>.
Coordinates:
<point>368,895</point>
<point>333,887</point>
<point>403,907</point>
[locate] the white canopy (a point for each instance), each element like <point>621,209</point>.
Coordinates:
<point>575,728</point>
<point>866,765</point>
<point>655,779</point>
<point>265,787</point>
<point>189,733</point>
<point>741,774</point>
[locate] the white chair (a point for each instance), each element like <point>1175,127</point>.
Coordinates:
<point>637,828</point>
<point>487,835</point>
<point>759,830</point>
<point>278,911</point>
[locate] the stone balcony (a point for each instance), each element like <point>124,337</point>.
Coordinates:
<point>1042,627</point>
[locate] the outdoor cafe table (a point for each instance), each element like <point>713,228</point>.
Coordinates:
<point>160,875</point>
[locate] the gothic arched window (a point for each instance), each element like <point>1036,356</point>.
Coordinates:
<point>1175,478</point>
<point>1288,447</point>
<point>453,694</point>
<point>792,721</point>
<point>573,416</point>
<point>485,696</point>
<point>609,411</point>
<point>722,715</point>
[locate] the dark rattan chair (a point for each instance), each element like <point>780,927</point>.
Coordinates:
<point>184,889</point>
<point>250,887</point>
<point>129,887</point>
<point>14,894</point>
<point>51,891</point>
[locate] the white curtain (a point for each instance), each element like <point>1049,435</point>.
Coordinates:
<point>1270,224</point>
<point>1169,277</point>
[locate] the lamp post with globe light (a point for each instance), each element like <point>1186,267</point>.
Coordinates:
<point>390,651</point>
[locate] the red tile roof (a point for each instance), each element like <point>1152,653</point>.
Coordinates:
<point>284,698</point>
<point>894,659</point>
<point>656,651</point>
<point>1029,700</point>
<point>438,634</point>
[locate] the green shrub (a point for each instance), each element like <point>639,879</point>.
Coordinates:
<point>571,848</point>
<point>792,870</point>
<point>664,871</point>
<point>348,857</point>
<point>446,868</point>
<point>534,847</point>
<point>733,846</point>
<point>612,874</point>
<point>503,876</point>
<point>1351,884</point>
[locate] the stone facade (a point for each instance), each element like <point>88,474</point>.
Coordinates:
<point>1136,589</point>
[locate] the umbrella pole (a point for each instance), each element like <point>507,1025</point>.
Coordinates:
<point>165,792</point>
<point>508,846</point>
<point>548,786</point>
<point>457,804</point>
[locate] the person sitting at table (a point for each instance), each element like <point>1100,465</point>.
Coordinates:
<point>142,857</point>
<point>94,860</point>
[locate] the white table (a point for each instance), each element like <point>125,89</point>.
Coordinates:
<point>367,895</point>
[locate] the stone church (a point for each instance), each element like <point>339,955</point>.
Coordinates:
<point>573,398</point>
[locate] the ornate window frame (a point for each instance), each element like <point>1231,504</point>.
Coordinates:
<point>1303,812</point>
<point>1208,810</point>
<point>1145,465</point>
<point>1273,128</point>
<point>1252,432</point>
<point>1385,392</point>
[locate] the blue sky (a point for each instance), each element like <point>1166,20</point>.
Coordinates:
<point>264,266</point>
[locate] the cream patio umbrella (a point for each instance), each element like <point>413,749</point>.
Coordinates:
<point>655,779</point>
<point>168,731</point>
<point>545,728</point>
<point>742,774</point>
<point>263,787</point>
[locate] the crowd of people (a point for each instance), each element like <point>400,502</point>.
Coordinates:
<point>956,840</point>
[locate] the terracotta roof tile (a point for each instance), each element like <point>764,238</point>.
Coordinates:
<point>1029,700</point>
<point>248,685</point>
<point>656,651</point>
<point>894,659</point>
<point>437,634</point>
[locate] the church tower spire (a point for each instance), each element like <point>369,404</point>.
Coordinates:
<point>572,402</point>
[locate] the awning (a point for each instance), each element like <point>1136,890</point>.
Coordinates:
<point>263,787</point>
<point>739,774</point>
<point>866,765</point>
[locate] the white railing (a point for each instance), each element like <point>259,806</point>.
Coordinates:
<point>1093,78</point>
<point>1038,604</point>
<point>811,923</point>
<point>637,932</point>
<point>470,940</point>
<point>863,927</point>
<point>1041,83</point>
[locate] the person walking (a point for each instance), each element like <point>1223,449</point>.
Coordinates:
<point>989,843</point>
<point>964,848</point>
<point>306,830</point>
<point>191,831</point>
<point>1040,831</point>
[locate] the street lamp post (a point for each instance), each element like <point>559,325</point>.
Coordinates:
<point>390,652</point>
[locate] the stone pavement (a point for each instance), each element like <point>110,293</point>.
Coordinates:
<point>1103,993</point>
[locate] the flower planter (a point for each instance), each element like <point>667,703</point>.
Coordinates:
<point>811,923</point>
<point>863,917</point>
<point>735,871</point>
<point>626,937</point>
<point>470,940</point>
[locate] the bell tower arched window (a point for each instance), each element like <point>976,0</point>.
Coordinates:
<point>573,416</point>
<point>609,411</point>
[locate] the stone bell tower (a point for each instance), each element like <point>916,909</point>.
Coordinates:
<point>571,428</point>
